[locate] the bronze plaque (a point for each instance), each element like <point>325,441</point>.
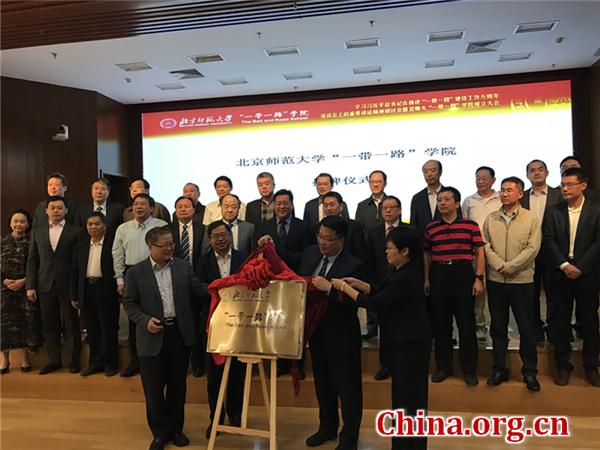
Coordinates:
<point>268,321</point>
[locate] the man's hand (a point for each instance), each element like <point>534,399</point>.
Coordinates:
<point>264,239</point>
<point>572,272</point>
<point>154,325</point>
<point>502,270</point>
<point>321,284</point>
<point>426,287</point>
<point>75,303</point>
<point>477,286</point>
<point>121,289</point>
<point>31,295</point>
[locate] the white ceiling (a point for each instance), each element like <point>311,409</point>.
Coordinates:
<point>402,53</point>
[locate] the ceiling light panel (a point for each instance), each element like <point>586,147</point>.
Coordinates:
<point>282,51</point>
<point>441,36</point>
<point>514,57</point>
<point>186,74</point>
<point>534,27</point>
<point>439,63</point>
<point>170,86</point>
<point>362,43</point>
<point>297,76</point>
<point>211,57</point>
<point>484,46</point>
<point>233,81</point>
<point>135,66</point>
<point>366,69</point>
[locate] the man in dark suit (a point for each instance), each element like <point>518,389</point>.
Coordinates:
<point>192,191</point>
<point>94,292</point>
<point>368,212</point>
<point>335,345</point>
<point>56,186</point>
<point>572,245</point>
<point>113,212</point>
<point>221,261</point>
<point>262,209</point>
<point>49,266</point>
<point>242,231</point>
<point>158,297</point>
<point>355,241</point>
<point>313,210</point>
<point>538,199</point>
<point>570,162</point>
<point>188,236</point>
<point>377,270</point>
<point>423,207</point>
<point>288,233</point>
<point>141,186</point>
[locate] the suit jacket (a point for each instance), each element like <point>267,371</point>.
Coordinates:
<point>47,268</point>
<point>80,262</point>
<point>311,212</point>
<point>114,217</point>
<point>339,329</point>
<point>40,218</point>
<point>160,211</point>
<point>354,242</point>
<point>586,253</point>
<point>198,214</point>
<point>296,241</point>
<point>368,214</point>
<point>554,197</point>
<point>420,212</point>
<point>377,265</point>
<point>402,300</point>
<point>142,301</point>
<point>254,212</point>
<point>196,244</point>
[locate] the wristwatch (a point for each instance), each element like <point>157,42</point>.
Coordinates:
<point>479,277</point>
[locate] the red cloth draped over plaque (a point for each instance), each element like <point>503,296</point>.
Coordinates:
<point>255,273</point>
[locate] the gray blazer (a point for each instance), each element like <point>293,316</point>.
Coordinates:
<point>245,238</point>
<point>142,301</point>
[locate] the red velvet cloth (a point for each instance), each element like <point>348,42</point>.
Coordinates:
<point>255,273</point>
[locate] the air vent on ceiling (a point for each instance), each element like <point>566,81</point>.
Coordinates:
<point>484,46</point>
<point>135,66</point>
<point>441,36</point>
<point>439,63</point>
<point>212,57</point>
<point>361,43</point>
<point>297,76</point>
<point>186,74</point>
<point>514,57</point>
<point>366,69</point>
<point>170,86</point>
<point>533,27</point>
<point>282,51</point>
<point>597,52</point>
<point>233,81</point>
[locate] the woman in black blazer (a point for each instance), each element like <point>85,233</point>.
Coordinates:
<point>402,300</point>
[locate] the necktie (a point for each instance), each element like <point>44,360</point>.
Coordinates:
<point>99,209</point>
<point>323,270</point>
<point>282,232</point>
<point>389,230</point>
<point>185,243</point>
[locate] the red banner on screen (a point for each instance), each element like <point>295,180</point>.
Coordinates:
<point>517,97</point>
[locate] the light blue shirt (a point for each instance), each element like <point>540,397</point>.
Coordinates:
<point>165,286</point>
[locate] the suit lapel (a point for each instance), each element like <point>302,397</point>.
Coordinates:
<point>582,224</point>
<point>151,279</point>
<point>63,237</point>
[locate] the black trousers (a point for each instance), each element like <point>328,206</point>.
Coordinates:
<point>131,339</point>
<point>451,296</point>
<point>372,322</point>
<point>101,315</point>
<point>198,356</point>
<point>539,281</point>
<point>337,376</point>
<point>164,382</point>
<point>55,304</point>
<point>384,345</point>
<point>519,298</point>
<point>409,363</point>
<point>235,388</point>
<point>563,293</point>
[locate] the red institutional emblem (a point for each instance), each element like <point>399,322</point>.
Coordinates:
<point>168,123</point>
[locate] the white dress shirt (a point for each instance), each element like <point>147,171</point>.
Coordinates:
<point>574,214</point>
<point>224,263</point>
<point>477,208</point>
<point>102,208</point>
<point>537,203</point>
<point>54,232</point>
<point>432,197</point>
<point>94,268</point>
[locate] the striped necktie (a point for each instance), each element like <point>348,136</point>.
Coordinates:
<point>185,243</point>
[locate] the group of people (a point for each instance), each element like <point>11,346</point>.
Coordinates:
<point>71,265</point>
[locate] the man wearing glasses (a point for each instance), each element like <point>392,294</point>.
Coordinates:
<point>368,212</point>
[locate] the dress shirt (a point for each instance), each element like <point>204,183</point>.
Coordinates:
<point>574,214</point>
<point>130,246</point>
<point>165,286</point>
<point>321,209</point>
<point>330,261</point>
<point>54,232</point>
<point>286,224</point>
<point>212,213</point>
<point>94,269</point>
<point>537,203</point>
<point>432,197</point>
<point>224,263</point>
<point>102,208</point>
<point>234,232</point>
<point>396,224</point>
<point>190,230</point>
<point>477,208</point>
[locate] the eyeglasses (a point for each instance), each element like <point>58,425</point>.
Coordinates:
<point>165,246</point>
<point>326,239</point>
<point>569,185</point>
<point>218,236</point>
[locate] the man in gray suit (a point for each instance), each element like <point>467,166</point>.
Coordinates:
<point>158,297</point>
<point>243,232</point>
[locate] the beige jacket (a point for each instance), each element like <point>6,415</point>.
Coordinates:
<point>513,245</point>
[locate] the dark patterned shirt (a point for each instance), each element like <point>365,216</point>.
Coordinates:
<point>452,241</point>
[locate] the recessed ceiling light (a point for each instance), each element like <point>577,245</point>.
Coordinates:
<point>439,63</point>
<point>135,66</point>
<point>212,57</point>
<point>514,57</point>
<point>282,51</point>
<point>440,36</point>
<point>597,52</point>
<point>361,43</point>
<point>170,86</point>
<point>233,81</point>
<point>186,74</point>
<point>366,69</point>
<point>297,76</point>
<point>533,27</point>
<point>484,46</point>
